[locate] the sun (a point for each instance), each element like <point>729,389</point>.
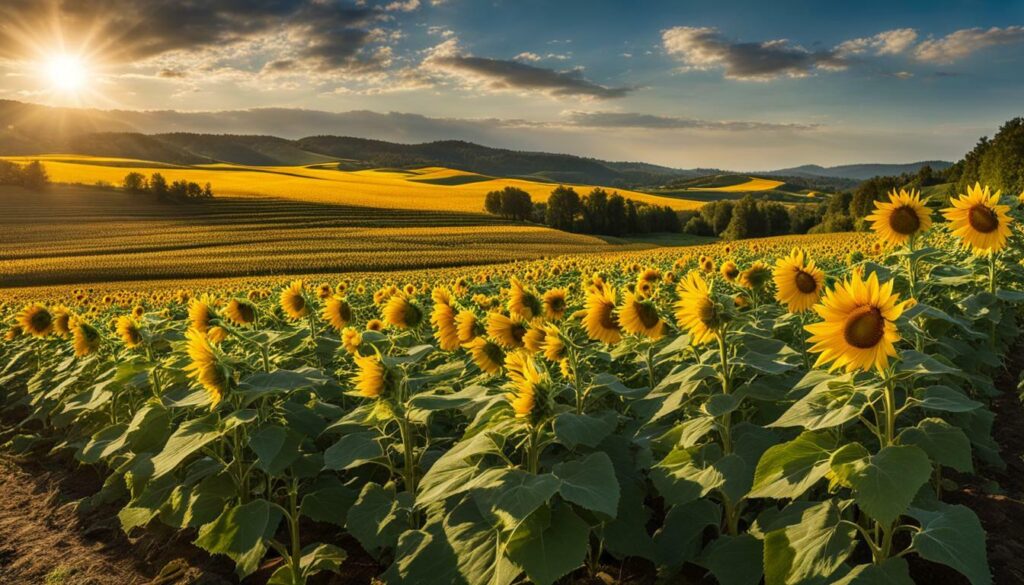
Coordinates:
<point>67,73</point>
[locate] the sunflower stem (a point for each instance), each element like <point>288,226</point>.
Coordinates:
<point>726,421</point>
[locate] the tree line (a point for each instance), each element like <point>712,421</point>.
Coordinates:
<point>597,212</point>
<point>31,176</point>
<point>158,186</point>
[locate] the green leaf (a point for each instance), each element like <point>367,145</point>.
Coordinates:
<point>735,560</point>
<point>424,557</point>
<point>590,483</point>
<point>811,550</point>
<point>892,571</point>
<point>946,399</point>
<point>190,437</point>
<point>378,516</point>
<point>787,470</point>
<point>679,479</point>
<point>280,381</point>
<point>946,444</point>
<point>241,533</point>
<point>514,494</point>
<point>549,546</point>
<point>451,474</point>
<point>321,557</point>
<point>329,502</point>
<point>915,363</point>
<point>828,405</point>
<point>574,429</point>
<point>276,448</point>
<point>680,537</point>
<point>353,450</point>
<point>477,549</point>
<point>954,537</point>
<point>885,483</point>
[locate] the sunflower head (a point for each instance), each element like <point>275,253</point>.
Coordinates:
<point>639,316</point>
<point>138,311</point>
<point>324,290</point>
<point>979,221</point>
<point>61,320</point>
<point>600,319</point>
<point>533,340</point>
<point>487,355</point>
<point>858,327</point>
<point>293,301</point>
<point>698,311</point>
<point>35,320</point>
<point>337,312</point>
<point>373,377</point>
<point>351,339</point>
<point>522,301</point>
<point>401,312</point>
<point>529,387</point>
<point>240,312</point>
<point>205,366</point>
<point>84,338</point>
<point>375,325</point>
<point>467,326</point>
<point>730,271</point>
<point>798,282</point>
<point>508,332</point>
<point>555,303</point>
<point>756,276</point>
<point>903,217</point>
<point>201,313</point>
<point>446,330</point>
<point>553,345</point>
<point>128,330</point>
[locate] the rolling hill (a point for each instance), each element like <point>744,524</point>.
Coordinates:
<point>860,171</point>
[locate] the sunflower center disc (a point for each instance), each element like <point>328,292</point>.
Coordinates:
<point>983,219</point>
<point>648,316</point>
<point>864,327</point>
<point>805,283</point>
<point>608,320</point>
<point>707,313</point>
<point>904,221</point>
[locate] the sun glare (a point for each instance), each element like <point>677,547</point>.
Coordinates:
<point>66,73</point>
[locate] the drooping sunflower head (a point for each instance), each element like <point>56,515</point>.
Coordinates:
<point>35,320</point>
<point>533,340</point>
<point>555,303</point>
<point>697,311</point>
<point>730,271</point>
<point>441,296</point>
<point>756,276</point>
<point>467,326</point>
<point>446,331</point>
<point>351,339</point>
<point>487,355</point>
<point>240,312</point>
<point>84,338</point>
<point>600,320</point>
<point>217,334</point>
<point>553,345</point>
<point>508,332</point>
<point>401,312</point>
<point>337,312</point>
<point>293,301</point>
<point>522,301</point>
<point>128,330</point>
<point>798,282</point>
<point>206,368</point>
<point>61,320</point>
<point>639,316</point>
<point>858,327</point>
<point>201,313</point>
<point>904,216</point>
<point>372,378</point>
<point>979,221</point>
<point>526,385</point>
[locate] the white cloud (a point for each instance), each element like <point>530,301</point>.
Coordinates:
<point>890,42</point>
<point>960,44</point>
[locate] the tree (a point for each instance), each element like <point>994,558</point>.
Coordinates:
<point>135,183</point>
<point>697,226</point>
<point>158,185</point>
<point>563,207</point>
<point>492,202</point>
<point>616,215</point>
<point>34,177</point>
<point>516,203</point>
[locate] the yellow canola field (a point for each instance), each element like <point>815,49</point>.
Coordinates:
<point>388,188</point>
<point>753,184</point>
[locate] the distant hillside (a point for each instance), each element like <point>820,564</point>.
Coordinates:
<point>860,171</point>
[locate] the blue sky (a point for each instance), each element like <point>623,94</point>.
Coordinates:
<point>741,85</point>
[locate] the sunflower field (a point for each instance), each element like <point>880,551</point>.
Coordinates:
<point>788,411</point>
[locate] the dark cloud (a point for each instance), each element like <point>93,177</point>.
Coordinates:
<point>705,48</point>
<point>334,32</point>
<point>655,122</point>
<point>503,74</point>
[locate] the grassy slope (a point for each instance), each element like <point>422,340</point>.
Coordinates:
<point>391,189</point>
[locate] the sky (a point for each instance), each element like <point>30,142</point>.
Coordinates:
<point>735,85</point>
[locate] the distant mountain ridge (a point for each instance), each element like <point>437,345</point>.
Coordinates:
<point>860,171</point>
<point>27,129</point>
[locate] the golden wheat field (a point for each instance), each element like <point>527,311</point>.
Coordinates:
<point>425,189</point>
<point>751,185</point>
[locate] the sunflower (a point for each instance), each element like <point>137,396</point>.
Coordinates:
<point>525,378</point>
<point>128,330</point>
<point>446,332</point>
<point>400,312</point>
<point>600,320</point>
<point>138,311</point>
<point>903,217</point>
<point>640,317</point>
<point>533,340</point>
<point>858,330</point>
<point>61,320</point>
<point>756,276</point>
<point>372,377</point>
<point>351,339</point>
<point>507,332</point>
<point>217,335</point>
<point>730,271</point>
<point>375,325</point>
<point>978,219</point>
<point>240,312</point>
<point>707,265</point>
<point>552,346</point>
<point>200,313</point>
<point>324,290</point>
<point>555,304</point>
<point>14,332</point>
<point>799,282</point>
<point>650,275</point>
<point>337,312</point>
<point>696,311</point>
<point>466,326</point>
<point>84,338</point>
<point>487,355</point>
<point>205,367</point>
<point>522,302</point>
<point>35,320</point>
<point>293,301</point>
